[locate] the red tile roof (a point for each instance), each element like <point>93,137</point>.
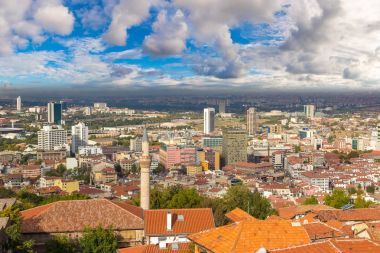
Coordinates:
<point>194,220</point>
<point>75,215</point>
<point>238,215</point>
<point>360,214</point>
<point>319,230</point>
<point>151,248</point>
<point>250,235</point>
<point>334,246</point>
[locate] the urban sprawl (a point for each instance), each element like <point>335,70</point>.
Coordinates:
<point>103,179</point>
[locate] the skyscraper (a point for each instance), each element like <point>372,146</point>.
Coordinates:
<point>309,111</point>
<point>79,136</point>
<point>252,121</point>
<point>234,146</point>
<point>51,137</point>
<point>222,106</point>
<point>144,173</point>
<point>208,120</point>
<point>378,137</point>
<point>18,104</point>
<point>54,113</point>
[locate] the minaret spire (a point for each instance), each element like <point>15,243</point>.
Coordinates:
<point>145,175</point>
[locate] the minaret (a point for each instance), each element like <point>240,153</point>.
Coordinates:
<point>145,177</point>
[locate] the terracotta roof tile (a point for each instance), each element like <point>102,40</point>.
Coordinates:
<point>170,248</point>
<point>292,211</point>
<point>334,246</point>
<point>319,247</point>
<point>319,230</point>
<point>250,235</point>
<point>184,221</point>
<point>361,214</point>
<point>238,215</point>
<point>75,215</point>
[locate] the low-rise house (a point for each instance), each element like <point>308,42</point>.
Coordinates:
<point>151,248</point>
<point>68,186</point>
<point>31,171</point>
<point>48,181</point>
<point>106,175</point>
<point>174,225</point>
<point>71,217</point>
<point>317,179</point>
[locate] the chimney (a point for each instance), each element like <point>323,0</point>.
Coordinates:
<point>169,221</point>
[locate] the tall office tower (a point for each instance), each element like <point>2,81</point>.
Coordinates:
<point>145,177</point>
<point>54,113</point>
<point>378,137</point>
<point>234,146</point>
<point>18,104</point>
<point>51,138</point>
<point>309,111</point>
<point>208,120</point>
<point>79,136</point>
<point>222,106</point>
<point>252,121</point>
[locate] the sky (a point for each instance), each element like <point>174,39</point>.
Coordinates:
<point>263,44</point>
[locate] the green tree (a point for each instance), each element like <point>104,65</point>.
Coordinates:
<point>351,190</point>
<point>159,170</point>
<point>253,203</point>
<point>6,193</point>
<point>360,202</point>
<point>371,189</point>
<point>135,169</point>
<point>60,244</point>
<point>186,198</point>
<point>312,200</point>
<point>337,199</point>
<point>13,232</point>
<point>98,240</point>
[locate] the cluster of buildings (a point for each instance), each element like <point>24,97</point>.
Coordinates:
<point>285,156</point>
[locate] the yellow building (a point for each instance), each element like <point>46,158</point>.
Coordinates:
<point>68,186</point>
<point>205,165</point>
<point>210,159</point>
<point>192,170</point>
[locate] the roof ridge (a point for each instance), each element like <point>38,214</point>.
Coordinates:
<point>165,209</point>
<point>124,209</point>
<point>49,205</point>
<point>303,245</point>
<point>233,249</point>
<point>334,246</point>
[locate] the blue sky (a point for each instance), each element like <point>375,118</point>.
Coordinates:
<point>255,43</point>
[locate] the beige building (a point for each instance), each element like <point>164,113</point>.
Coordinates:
<point>192,170</point>
<point>55,155</point>
<point>234,146</point>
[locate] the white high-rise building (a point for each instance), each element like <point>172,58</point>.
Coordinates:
<point>18,104</point>
<point>79,136</point>
<point>145,163</point>
<point>52,138</point>
<point>252,121</point>
<point>378,137</point>
<point>208,120</point>
<point>309,111</point>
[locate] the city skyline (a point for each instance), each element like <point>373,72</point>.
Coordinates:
<point>244,44</point>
